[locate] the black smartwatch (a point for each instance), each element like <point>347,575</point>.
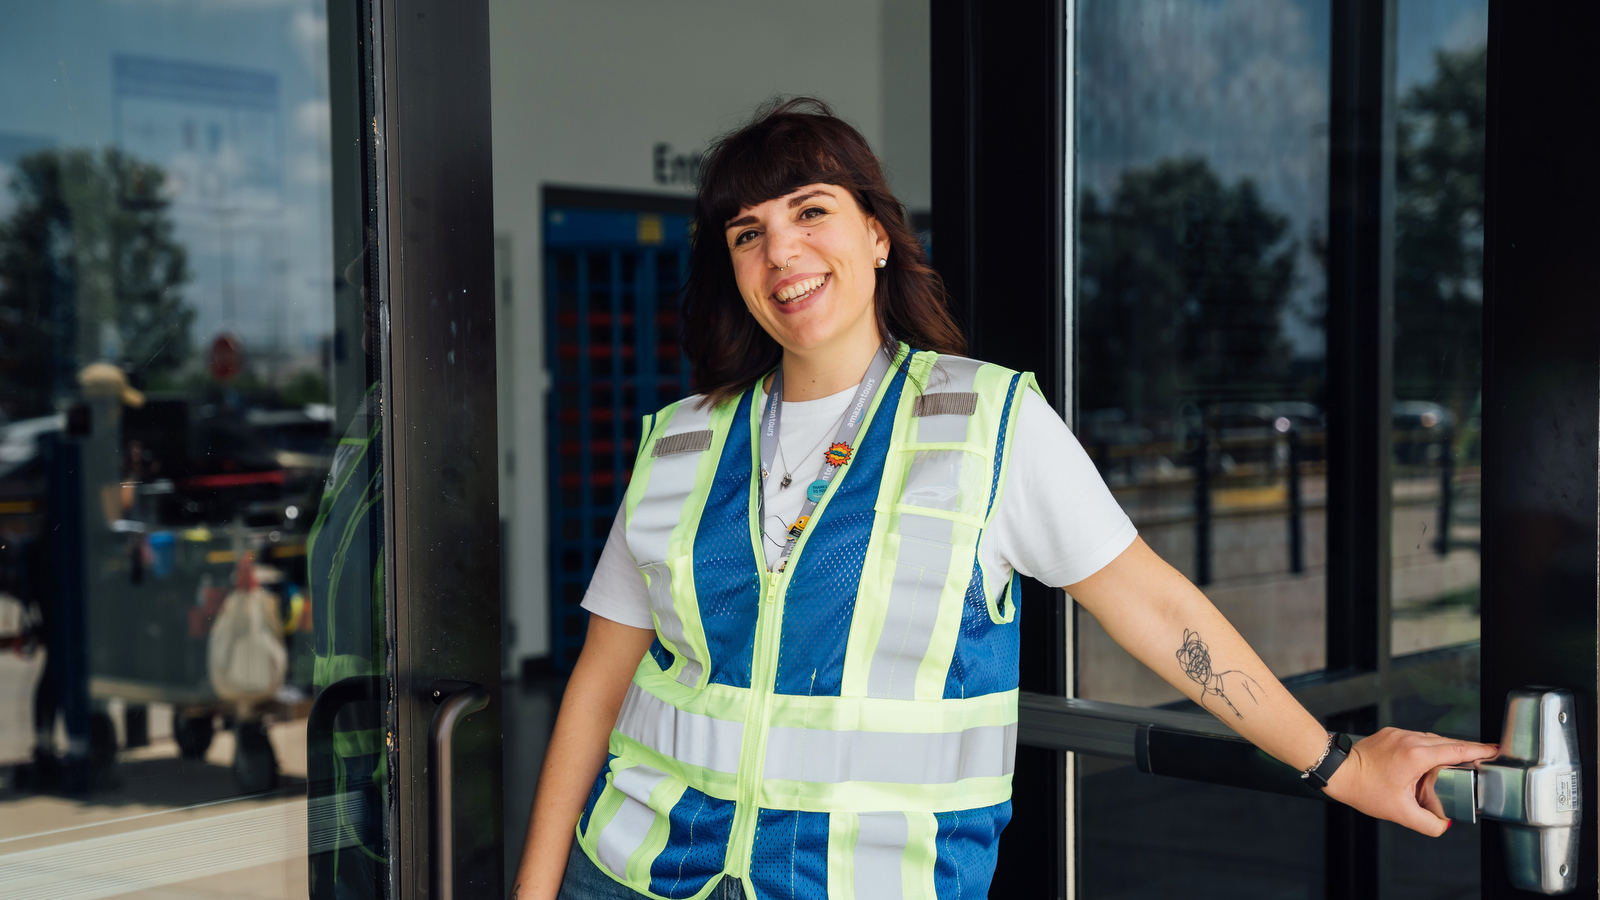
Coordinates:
<point>1338,751</point>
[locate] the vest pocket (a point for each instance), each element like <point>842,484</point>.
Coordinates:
<point>956,481</point>
<point>666,581</point>
<point>656,834</point>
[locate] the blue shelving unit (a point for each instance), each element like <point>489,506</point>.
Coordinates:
<point>611,323</point>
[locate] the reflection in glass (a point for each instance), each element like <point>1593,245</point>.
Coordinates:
<point>1441,89</point>
<point>1202,171</point>
<point>1438,308</point>
<point>189,490</point>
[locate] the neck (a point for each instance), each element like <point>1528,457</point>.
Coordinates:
<point>823,372</point>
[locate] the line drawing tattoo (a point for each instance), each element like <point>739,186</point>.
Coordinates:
<point>1195,658</point>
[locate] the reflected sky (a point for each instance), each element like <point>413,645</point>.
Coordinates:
<point>230,99</point>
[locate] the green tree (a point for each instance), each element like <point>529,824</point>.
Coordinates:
<point>1438,287</point>
<point>88,264</point>
<point>1184,281</point>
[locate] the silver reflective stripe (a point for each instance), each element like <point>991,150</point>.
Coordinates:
<point>950,375</point>
<point>628,828</point>
<point>671,481</point>
<point>880,845</point>
<point>834,757</point>
<point>689,738</point>
<point>913,606</point>
<point>659,577</point>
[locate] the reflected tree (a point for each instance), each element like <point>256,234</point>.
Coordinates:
<point>1184,282</point>
<point>89,269</point>
<point>1438,288</point>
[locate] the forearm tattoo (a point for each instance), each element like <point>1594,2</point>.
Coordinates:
<point>1195,658</point>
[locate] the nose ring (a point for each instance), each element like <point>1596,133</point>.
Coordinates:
<point>786,262</point>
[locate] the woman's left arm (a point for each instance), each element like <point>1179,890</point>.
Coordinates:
<point>1157,615</point>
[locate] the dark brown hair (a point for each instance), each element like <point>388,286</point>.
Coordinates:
<point>787,145</point>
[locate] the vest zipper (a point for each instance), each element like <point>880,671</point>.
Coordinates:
<point>763,675</point>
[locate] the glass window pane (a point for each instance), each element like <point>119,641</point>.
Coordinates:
<point>1202,176</point>
<point>1441,87</point>
<point>190,499</point>
<point>1438,309</point>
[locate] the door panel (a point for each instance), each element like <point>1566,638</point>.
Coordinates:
<point>192,501</point>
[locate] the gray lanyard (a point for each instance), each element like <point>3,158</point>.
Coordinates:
<point>834,458</point>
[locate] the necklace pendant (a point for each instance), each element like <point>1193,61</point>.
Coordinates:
<point>787,480</point>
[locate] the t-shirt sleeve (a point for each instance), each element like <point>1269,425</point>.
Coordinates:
<point>1056,521</point>
<point>617,591</point>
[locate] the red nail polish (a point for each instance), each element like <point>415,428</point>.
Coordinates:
<point>1448,823</point>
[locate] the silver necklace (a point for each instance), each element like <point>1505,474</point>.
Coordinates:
<point>788,477</point>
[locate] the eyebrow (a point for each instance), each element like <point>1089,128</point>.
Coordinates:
<point>793,202</point>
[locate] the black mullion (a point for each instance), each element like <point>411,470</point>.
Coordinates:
<point>998,95</point>
<point>1360,387</point>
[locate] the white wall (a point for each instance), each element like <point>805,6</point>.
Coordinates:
<point>582,93</point>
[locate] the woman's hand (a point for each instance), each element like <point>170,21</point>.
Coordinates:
<point>1388,776</point>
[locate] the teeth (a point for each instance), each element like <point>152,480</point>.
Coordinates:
<point>799,289</point>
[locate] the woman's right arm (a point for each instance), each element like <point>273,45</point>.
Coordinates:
<point>611,653</point>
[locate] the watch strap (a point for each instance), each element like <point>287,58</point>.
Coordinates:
<point>1338,751</point>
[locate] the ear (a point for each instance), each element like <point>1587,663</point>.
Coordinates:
<point>880,237</point>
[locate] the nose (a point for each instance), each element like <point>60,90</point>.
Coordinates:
<point>783,250</point>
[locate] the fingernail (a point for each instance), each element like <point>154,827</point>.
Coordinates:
<point>1448,823</point>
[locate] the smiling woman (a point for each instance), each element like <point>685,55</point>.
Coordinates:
<point>801,190</point>
<point>815,693</point>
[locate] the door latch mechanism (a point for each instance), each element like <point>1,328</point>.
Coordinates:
<point>1534,788</point>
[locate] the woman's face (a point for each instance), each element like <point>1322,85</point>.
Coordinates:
<point>805,266</point>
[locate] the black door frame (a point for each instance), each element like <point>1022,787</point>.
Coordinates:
<point>427,118</point>
<point>1003,211</point>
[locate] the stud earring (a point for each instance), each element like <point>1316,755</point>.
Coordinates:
<point>882,262</point>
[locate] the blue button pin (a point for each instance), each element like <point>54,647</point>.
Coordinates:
<point>816,489</point>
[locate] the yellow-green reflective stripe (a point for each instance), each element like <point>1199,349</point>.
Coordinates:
<point>841,852</point>
<point>721,785</point>
<point>834,757</point>
<point>950,373</point>
<point>875,714</point>
<point>659,578</point>
<point>865,796</point>
<point>921,570</point>
<point>917,863</point>
<point>630,824</point>
<point>687,737</point>
<point>880,847</point>
<point>663,797</point>
<point>667,481</point>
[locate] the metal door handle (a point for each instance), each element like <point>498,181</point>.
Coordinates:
<point>456,700</point>
<point>1534,788</point>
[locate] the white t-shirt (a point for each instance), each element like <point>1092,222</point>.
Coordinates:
<point>1056,520</point>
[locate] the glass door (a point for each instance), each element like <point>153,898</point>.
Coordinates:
<point>1280,331</point>
<point>214,677</point>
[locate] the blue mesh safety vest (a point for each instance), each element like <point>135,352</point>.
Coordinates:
<point>845,728</point>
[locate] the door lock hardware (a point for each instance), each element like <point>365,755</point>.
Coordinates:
<point>1534,789</point>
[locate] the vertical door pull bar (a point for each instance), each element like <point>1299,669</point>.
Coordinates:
<point>456,700</point>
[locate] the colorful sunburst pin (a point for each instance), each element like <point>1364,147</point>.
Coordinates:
<point>837,455</point>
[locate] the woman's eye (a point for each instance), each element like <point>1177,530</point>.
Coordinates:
<point>744,236</point>
<point>811,212</point>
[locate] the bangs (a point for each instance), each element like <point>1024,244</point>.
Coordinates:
<point>782,153</point>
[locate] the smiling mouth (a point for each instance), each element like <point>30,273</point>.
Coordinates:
<point>800,290</point>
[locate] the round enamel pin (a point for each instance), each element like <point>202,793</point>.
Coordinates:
<point>837,455</point>
<point>798,526</point>
<point>816,489</point>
